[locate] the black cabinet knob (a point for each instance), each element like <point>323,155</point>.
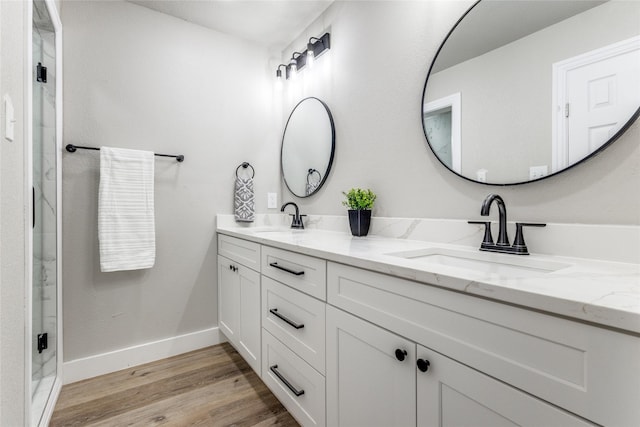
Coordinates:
<point>401,354</point>
<point>423,365</point>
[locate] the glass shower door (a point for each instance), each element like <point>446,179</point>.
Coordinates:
<point>44,154</point>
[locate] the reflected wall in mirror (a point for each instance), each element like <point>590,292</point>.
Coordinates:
<point>521,89</point>
<point>308,146</point>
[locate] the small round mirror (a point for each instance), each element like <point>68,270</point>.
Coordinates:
<point>308,146</point>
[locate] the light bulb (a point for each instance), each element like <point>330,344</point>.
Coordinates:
<point>310,57</point>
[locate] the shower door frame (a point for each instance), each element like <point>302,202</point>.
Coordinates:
<point>28,167</point>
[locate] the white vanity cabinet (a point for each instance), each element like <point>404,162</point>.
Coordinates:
<point>239,297</point>
<point>345,346</point>
<point>573,366</point>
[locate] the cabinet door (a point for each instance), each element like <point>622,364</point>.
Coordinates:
<point>367,384</point>
<point>453,395</point>
<point>228,300</point>
<point>250,329</point>
<point>239,309</point>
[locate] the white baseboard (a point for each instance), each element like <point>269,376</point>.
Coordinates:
<point>100,364</point>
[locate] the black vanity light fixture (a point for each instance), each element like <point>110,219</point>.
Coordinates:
<point>279,71</point>
<point>315,47</point>
<point>298,60</point>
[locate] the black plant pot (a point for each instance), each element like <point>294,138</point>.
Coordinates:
<point>359,221</point>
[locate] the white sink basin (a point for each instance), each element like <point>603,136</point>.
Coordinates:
<point>508,266</point>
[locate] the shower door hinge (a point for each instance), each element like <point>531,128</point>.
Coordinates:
<point>566,109</point>
<point>41,73</point>
<point>43,342</point>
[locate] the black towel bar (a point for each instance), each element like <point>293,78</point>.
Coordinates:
<point>72,149</point>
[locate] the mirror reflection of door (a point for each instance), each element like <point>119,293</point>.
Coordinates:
<point>595,92</point>
<point>441,120</point>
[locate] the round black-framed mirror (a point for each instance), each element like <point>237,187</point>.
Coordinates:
<point>500,86</point>
<point>308,147</point>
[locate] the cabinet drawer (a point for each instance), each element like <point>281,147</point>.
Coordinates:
<point>241,251</point>
<point>301,272</point>
<point>576,366</point>
<point>299,387</point>
<point>295,319</point>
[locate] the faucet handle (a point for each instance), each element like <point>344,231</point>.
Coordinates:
<point>488,238</point>
<point>296,221</point>
<point>519,245</point>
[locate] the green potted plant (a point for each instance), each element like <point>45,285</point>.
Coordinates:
<point>359,202</point>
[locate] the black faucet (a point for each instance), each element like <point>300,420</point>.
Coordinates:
<point>519,247</point>
<point>296,222</point>
<point>503,239</point>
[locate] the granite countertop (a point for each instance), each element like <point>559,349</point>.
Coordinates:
<point>600,292</point>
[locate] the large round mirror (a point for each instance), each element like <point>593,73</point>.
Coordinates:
<point>308,145</point>
<point>521,90</point>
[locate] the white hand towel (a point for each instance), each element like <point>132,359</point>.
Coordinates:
<point>126,224</point>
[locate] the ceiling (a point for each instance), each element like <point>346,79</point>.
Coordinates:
<point>271,23</point>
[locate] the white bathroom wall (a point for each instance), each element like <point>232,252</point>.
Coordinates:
<point>13,217</point>
<point>372,80</point>
<point>136,78</point>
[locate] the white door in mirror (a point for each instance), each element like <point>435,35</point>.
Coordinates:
<point>607,88</point>
<point>597,94</point>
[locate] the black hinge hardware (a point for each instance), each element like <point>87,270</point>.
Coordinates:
<point>41,73</point>
<point>43,342</point>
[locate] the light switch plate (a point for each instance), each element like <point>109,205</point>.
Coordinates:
<point>9,119</point>
<point>272,200</point>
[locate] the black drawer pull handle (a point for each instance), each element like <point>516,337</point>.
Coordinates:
<point>279,267</point>
<point>274,369</point>
<point>274,311</point>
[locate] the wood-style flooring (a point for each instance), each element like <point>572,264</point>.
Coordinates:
<point>213,386</point>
